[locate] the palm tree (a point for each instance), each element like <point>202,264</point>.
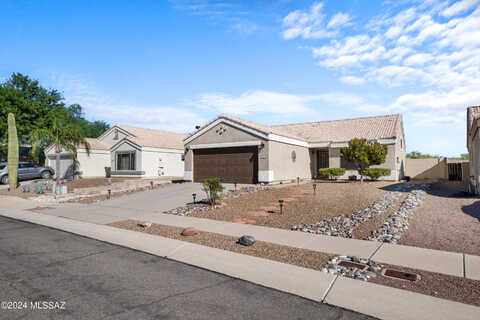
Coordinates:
<point>63,132</point>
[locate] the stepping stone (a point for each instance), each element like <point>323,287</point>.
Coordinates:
<point>190,231</point>
<point>244,220</point>
<point>271,208</point>
<point>257,213</point>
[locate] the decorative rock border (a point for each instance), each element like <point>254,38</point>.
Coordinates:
<point>393,227</point>
<point>397,223</point>
<point>343,226</point>
<point>370,269</point>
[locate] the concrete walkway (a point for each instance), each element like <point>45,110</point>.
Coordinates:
<point>371,299</point>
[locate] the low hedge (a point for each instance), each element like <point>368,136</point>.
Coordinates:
<point>375,173</point>
<point>331,173</point>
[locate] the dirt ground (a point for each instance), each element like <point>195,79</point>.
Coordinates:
<point>301,205</point>
<point>71,186</point>
<point>447,220</point>
<point>436,285</point>
<point>300,257</point>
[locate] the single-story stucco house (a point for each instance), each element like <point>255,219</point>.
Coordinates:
<point>473,146</point>
<point>241,151</point>
<point>129,151</point>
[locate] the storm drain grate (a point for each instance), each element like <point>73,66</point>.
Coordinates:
<point>401,275</point>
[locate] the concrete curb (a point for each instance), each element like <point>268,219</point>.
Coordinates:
<point>372,299</point>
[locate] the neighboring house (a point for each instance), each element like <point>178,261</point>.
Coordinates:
<point>129,151</point>
<point>473,146</point>
<point>241,151</point>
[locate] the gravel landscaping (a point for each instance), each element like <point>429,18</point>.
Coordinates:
<point>299,257</point>
<point>301,205</point>
<point>392,226</point>
<point>436,285</point>
<point>429,283</point>
<point>447,220</point>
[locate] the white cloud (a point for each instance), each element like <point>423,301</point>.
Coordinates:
<point>352,80</point>
<point>459,7</point>
<point>311,24</point>
<point>255,101</point>
<point>418,59</point>
<point>338,20</point>
<point>100,106</point>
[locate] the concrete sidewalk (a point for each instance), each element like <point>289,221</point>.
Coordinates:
<point>449,263</point>
<point>375,300</point>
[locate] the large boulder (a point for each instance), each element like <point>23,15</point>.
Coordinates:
<point>246,240</point>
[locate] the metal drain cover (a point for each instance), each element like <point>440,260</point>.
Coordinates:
<point>401,275</point>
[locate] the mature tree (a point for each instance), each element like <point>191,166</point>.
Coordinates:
<point>31,105</point>
<point>419,155</point>
<point>61,132</point>
<point>364,153</point>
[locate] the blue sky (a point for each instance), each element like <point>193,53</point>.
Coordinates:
<point>175,64</point>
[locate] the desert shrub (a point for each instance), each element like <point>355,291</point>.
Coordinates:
<point>375,173</point>
<point>213,188</point>
<point>331,173</point>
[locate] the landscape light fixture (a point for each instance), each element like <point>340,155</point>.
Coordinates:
<point>151,184</point>
<point>281,206</point>
<point>194,195</point>
<point>314,187</point>
<point>109,194</point>
<point>235,185</point>
<point>298,181</point>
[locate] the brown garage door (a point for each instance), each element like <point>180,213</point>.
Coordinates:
<point>232,165</point>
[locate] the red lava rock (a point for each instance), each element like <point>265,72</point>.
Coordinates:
<point>190,231</point>
<point>257,213</point>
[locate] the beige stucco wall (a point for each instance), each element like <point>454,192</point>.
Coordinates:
<point>162,163</point>
<point>282,167</point>
<point>93,165</point>
<point>474,167</point>
<point>433,168</point>
<point>109,140</point>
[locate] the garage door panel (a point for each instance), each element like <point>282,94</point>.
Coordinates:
<point>229,164</point>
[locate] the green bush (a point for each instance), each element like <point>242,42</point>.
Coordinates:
<point>375,173</point>
<point>213,188</point>
<point>331,173</point>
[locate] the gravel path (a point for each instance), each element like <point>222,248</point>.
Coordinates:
<point>446,221</point>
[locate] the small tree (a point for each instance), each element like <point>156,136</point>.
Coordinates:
<point>364,153</point>
<point>62,133</point>
<point>213,188</point>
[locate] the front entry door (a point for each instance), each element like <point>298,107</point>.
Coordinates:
<point>322,159</point>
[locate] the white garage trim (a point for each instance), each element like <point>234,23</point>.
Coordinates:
<point>226,144</point>
<point>188,175</point>
<point>265,176</point>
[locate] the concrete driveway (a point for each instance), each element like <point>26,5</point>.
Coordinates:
<point>131,206</point>
<point>103,281</point>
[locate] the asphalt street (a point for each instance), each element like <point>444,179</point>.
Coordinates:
<point>51,274</point>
